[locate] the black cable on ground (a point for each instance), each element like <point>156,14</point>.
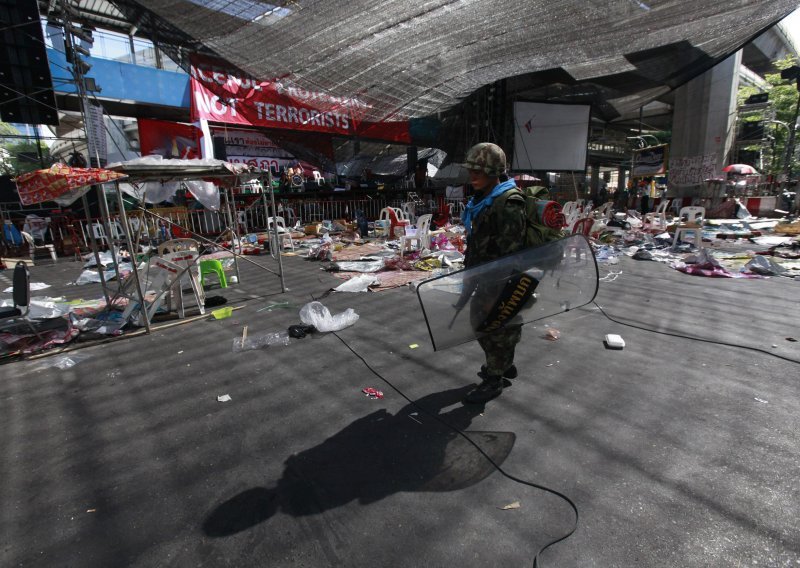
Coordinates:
<point>480,450</point>
<point>713,341</point>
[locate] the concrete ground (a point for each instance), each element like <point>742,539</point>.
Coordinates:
<point>676,452</point>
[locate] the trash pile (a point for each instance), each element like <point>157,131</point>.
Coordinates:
<point>743,247</point>
<point>373,264</point>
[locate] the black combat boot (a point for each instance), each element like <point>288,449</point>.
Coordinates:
<point>490,387</point>
<point>510,373</point>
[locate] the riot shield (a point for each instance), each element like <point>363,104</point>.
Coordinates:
<point>526,286</point>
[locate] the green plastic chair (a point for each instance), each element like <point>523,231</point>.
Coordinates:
<point>213,267</point>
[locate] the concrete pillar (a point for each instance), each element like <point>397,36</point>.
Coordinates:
<point>595,181</point>
<point>703,127</point>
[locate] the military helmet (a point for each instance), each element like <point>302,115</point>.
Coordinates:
<point>486,157</point>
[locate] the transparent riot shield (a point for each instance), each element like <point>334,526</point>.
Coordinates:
<point>517,289</point>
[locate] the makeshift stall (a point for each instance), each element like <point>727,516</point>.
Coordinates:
<point>154,179</point>
<point>150,179</point>
<point>65,185</point>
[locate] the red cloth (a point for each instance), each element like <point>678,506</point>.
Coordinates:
<point>550,214</point>
<point>60,181</point>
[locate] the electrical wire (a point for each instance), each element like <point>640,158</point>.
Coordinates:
<point>702,339</point>
<point>480,450</point>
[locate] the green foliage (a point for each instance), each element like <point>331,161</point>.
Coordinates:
<point>783,101</point>
<point>20,155</point>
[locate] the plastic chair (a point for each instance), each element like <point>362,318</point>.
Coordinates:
<point>21,297</point>
<point>283,235</point>
<point>694,224</point>
<point>213,266</point>
<point>583,226</point>
<point>156,281</point>
<point>422,234</point>
<point>391,214</point>
<point>33,247</point>
<point>184,253</point>
<point>657,220</point>
<point>409,211</point>
<point>318,178</point>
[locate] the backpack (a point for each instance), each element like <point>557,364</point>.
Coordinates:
<point>536,197</point>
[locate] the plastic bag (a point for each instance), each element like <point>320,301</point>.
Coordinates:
<point>260,340</point>
<point>314,313</point>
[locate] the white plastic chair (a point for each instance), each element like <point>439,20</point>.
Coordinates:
<point>184,253</point>
<point>283,235</point>
<point>318,178</point>
<point>33,247</point>
<point>694,224</point>
<point>422,234</point>
<point>657,220</point>
<point>409,208</point>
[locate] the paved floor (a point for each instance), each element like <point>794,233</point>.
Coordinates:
<point>676,452</point>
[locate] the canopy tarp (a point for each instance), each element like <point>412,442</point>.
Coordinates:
<point>60,183</point>
<point>156,168</point>
<point>404,59</point>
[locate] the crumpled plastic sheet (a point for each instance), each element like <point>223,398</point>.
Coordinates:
<point>357,266</point>
<point>704,264</point>
<point>108,324</point>
<point>316,314</point>
<point>765,266</point>
<point>359,283</point>
<point>29,343</point>
<point>43,307</point>
<point>34,287</point>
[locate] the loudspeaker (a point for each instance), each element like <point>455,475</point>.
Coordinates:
<point>26,87</point>
<point>411,166</point>
<point>220,150</point>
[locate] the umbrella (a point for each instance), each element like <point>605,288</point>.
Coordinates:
<point>740,169</point>
<point>60,183</point>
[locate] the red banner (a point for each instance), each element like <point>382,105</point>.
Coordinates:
<point>219,95</point>
<point>168,139</point>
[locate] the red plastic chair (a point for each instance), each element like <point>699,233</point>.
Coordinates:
<point>583,226</point>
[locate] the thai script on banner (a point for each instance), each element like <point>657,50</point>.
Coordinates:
<point>692,170</point>
<point>219,95</point>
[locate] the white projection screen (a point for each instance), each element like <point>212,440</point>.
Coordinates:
<point>550,137</point>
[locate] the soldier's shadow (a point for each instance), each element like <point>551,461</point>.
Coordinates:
<point>375,456</point>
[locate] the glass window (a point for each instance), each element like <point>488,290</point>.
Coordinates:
<point>145,52</point>
<point>168,64</point>
<point>111,45</point>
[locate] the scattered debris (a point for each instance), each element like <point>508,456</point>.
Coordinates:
<point>551,334</point>
<point>614,341</point>
<point>514,505</point>
<point>413,346</point>
<point>762,400</point>
<point>224,398</point>
<point>373,393</point>
<point>222,313</point>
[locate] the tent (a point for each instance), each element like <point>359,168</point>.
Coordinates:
<point>65,185</point>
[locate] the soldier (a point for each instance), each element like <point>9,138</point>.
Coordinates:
<point>492,232</point>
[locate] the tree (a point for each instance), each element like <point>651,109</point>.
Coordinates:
<point>782,100</point>
<point>20,155</point>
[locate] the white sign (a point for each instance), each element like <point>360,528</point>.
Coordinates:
<point>550,137</point>
<point>96,133</point>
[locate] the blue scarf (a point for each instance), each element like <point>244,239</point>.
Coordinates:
<point>474,209</point>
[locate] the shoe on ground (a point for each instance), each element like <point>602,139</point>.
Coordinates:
<point>490,387</point>
<point>510,373</point>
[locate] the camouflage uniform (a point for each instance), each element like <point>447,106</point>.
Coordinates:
<point>497,231</point>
